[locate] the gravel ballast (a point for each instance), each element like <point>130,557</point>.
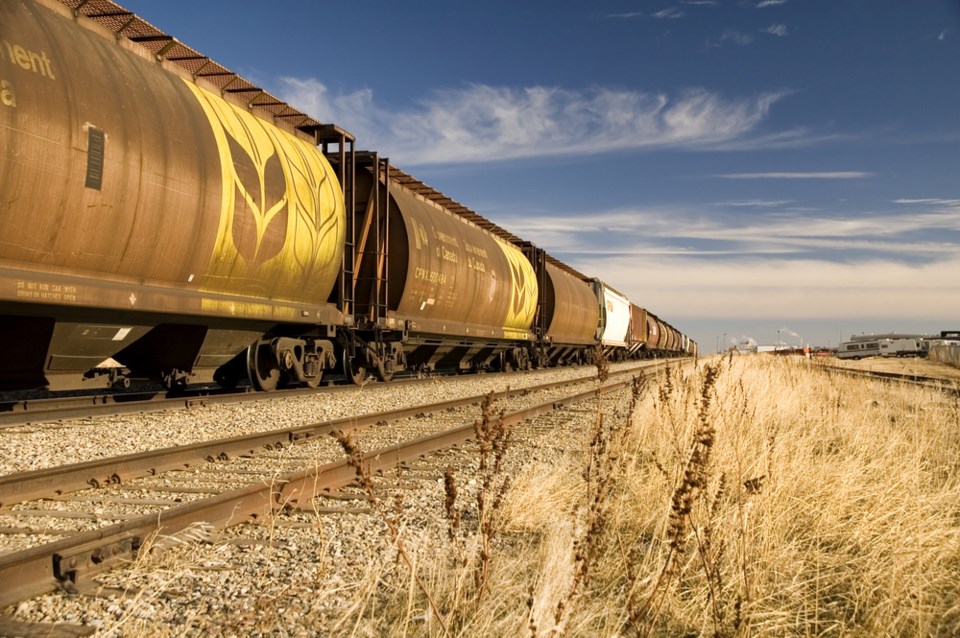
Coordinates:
<point>298,573</point>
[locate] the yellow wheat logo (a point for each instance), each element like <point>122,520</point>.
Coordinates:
<point>524,286</point>
<point>282,219</point>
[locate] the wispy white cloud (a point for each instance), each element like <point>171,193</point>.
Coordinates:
<point>758,203</point>
<point>800,175</point>
<point>669,13</point>
<point>943,35</point>
<point>790,138</point>
<point>770,3</point>
<point>810,230</point>
<point>929,200</point>
<point>926,231</point>
<point>692,263</point>
<point>482,123</point>
<point>776,29</point>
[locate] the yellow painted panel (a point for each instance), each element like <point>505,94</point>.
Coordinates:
<point>282,218</point>
<point>523,287</point>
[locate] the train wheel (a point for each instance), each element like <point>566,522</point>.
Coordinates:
<point>262,367</point>
<point>382,373</point>
<point>383,369</point>
<point>354,370</point>
<point>314,381</point>
<point>395,361</point>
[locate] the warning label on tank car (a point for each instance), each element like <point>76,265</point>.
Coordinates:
<point>41,291</point>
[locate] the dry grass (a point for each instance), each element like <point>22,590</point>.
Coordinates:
<point>754,496</point>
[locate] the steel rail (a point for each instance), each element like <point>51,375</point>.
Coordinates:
<point>70,562</point>
<point>21,411</point>
<point>935,383</point>
<point>56,481</point>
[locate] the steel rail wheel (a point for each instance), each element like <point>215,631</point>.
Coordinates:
<point>262,366</point>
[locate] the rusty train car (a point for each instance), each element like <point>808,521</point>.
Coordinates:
<point>162,218</point>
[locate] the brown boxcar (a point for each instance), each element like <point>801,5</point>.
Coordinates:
<point>639,330</point>
<point>449,277</point>
<point>655,336</point>
<point>674,339</point>
<point>570,308</point>
<point>671,337</point>
<point>454,295</point>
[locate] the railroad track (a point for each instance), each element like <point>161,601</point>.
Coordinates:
<point>37,445</point>
<point>22,408</point>
<point>935,383</point>
<point>126,501</point>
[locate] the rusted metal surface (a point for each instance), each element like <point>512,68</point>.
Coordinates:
<point>169,196</point>
<point>638,325</point>
<point>674,339</point>
<point>571,309</point>
<point>40,569</point>
<point>22,486</point>
<point>76,559</point>
<point>428,192</point>
<point>936,383</point>
<point>11,627</point>
<point>133,176</point>
<point>132,186</point>
<point>655,336</point>
<point>638,330</point>
<point>449,276</point>
<point>666,336</point>
<point>15,411</point>
<point>127,25</point>
<point>371,222</point>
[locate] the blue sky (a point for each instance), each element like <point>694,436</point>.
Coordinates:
<point>742,168</point>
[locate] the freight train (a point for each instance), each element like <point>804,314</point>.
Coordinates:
<point>162,218</point>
